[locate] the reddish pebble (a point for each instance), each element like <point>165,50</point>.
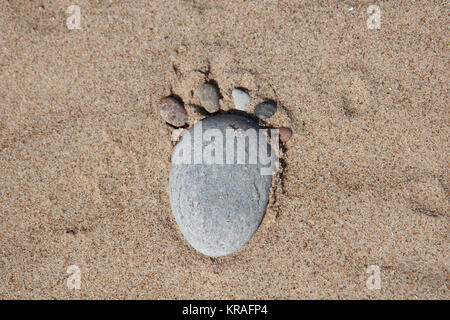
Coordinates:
<point>285,134</point>
<point>173,112</point>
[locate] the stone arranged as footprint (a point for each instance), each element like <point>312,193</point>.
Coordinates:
<point>209,97</point>
<point>265,109</point>
<point>173,112</point>
<point>218,206</point>
<point>221,172</point>
<point>241,99</point>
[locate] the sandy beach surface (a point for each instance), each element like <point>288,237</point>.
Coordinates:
<point>85,155</point>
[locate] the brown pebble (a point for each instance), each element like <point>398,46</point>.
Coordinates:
<point>173,112</point>
<point>285,134</point>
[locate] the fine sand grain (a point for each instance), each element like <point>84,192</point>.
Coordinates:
<point>85,156</point>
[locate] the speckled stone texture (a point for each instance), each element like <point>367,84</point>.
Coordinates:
<point>218,207</point>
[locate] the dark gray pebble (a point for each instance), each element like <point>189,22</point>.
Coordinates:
<point>265,109</point>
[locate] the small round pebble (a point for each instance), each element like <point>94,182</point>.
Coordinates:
<point>265,109</point>
<point>173,112</point>
<point>285,134</point>
<point>209,97</point>
<point>241,99</point>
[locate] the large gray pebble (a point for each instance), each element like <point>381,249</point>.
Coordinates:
<point>218,207</point>
<point>209,97</point>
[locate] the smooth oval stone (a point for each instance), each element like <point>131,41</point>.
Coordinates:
<point>285,134</point>
<point>209,97</point>
<point>218,207</point>
<point>265,109</point>
<point>240,98</point>
<point>173,112</point>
